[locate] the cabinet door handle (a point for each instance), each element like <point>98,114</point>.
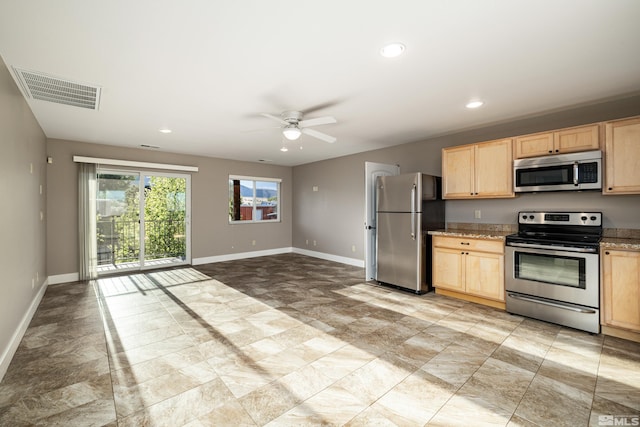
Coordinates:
<point>465,243</point>
<point>606,253</point>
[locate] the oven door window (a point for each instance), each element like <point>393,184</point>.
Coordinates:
<point>550,175</point>
<point>553,269</point>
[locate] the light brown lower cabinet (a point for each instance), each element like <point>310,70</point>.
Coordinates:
<point>621,289</point>
<point>470,269</point>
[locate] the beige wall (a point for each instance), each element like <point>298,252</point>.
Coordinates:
<point>212,235</point>
<point>334,216</point>
<point>22,254</point>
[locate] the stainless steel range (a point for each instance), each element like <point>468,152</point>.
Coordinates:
<point>552,268</point>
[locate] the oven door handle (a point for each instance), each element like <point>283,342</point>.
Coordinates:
<point>552,304</point>
<point>552,248</point>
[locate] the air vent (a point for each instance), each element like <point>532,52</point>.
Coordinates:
<point>53,89</point>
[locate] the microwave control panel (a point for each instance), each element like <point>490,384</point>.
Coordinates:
<point>588,172</point>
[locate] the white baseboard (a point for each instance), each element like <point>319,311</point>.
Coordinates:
<point>243,255</point>
<point>7,355</point>
<point>240,255</point>
<point>329,257</point>
<point>63,278</point>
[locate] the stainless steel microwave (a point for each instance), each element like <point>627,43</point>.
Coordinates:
<point>560,172</point>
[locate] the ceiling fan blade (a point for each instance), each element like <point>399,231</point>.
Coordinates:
<point>319,135</point>
<point>316,122</point>
<point>277,119</point>
<point>322,106</point>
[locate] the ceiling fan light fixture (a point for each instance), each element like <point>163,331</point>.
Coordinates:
<point>291,132</point>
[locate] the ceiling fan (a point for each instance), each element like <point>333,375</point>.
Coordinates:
<point>293,125</point>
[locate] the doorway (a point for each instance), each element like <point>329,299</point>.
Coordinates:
<point>372,172</point>
<point>142,220</point>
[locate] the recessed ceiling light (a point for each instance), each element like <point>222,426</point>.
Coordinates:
<point>284,149</point>
<point>165,130</point>
<point>392,50</point>
<point>474,104</point>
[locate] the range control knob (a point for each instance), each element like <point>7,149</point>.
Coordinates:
<point>530,216</point>
<point>584,218</point>
<point>524,217</point>
<point>593,218</point>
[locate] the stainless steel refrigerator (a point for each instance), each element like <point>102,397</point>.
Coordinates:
<point>407,206</point>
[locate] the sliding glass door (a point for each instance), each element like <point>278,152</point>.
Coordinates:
<point>164,225</point>
<point>142,220</point>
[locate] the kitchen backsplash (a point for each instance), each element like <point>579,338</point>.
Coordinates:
<point>622,233</point>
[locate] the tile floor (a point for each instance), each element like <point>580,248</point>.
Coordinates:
<point>292,340</point>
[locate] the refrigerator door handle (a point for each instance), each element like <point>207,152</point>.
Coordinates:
<point>413,212</point>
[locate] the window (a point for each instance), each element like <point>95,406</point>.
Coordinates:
<point>253,199</point>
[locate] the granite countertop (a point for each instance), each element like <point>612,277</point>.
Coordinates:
<point>620,243</point>
<point>472,234</point>
<point>625,239</point>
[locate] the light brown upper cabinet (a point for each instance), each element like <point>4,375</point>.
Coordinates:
<point>482,170</point>
<point>583,138</point>
<point>622,157</point>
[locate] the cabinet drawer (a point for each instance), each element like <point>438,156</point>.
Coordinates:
<point>482,245</point>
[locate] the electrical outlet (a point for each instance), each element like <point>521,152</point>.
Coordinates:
<point>314,243</point>
<point>31,168</point>
<point>478,214</point>
<point>253,243</point>
<point>353,248</point>
<point>307,242</point>
<point>33,283</point>
<point>315,188</point>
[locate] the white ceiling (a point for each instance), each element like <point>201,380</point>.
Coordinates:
<point>206,69</point>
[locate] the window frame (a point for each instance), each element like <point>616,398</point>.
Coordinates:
<point>255,180</point>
